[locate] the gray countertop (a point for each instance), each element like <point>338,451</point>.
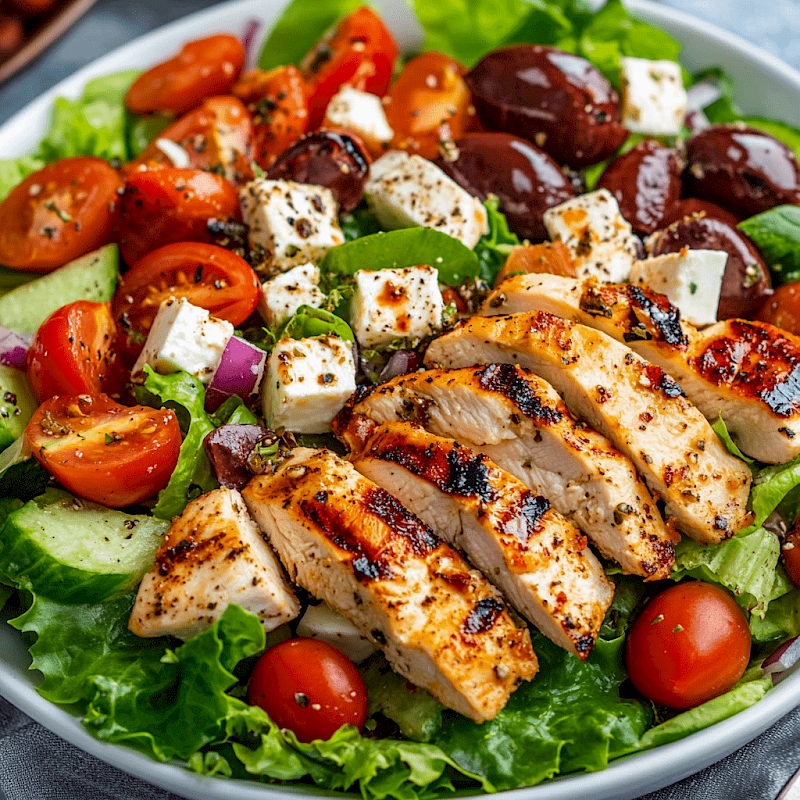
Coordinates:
<point>35,764</point>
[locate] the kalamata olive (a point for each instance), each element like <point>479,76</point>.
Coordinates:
<point>326,158</point>
<point>646,181</point>
<point>746,281</point>
<point>228,449</point>
<point>691,206</point>
<point>742,169</point>
<point>525,178</point>
<point>556,100</point>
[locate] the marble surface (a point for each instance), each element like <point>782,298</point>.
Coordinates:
<point>35,764</point>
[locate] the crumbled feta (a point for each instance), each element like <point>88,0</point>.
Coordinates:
<point>307,383</point>
<point>396,303</point>
<point>363,114</point>
<point>184,337</point>
<point>410,191</point>
<point>691,279</point>
<point>599,239</point>
<point>653,97</point>
<point>289,223</point>
<point>283,295</point>
<point>322,622</point>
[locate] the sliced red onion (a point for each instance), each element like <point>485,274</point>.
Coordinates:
<point>701,95</point>
<point>174,152</point>
<point>696,121</point>
<point>248,39</point>
<point>401,363</point>
<point>783,661</point>
<point>14,347</point>
<point>239,372</point>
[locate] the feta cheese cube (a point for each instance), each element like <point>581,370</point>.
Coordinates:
<point>599,239</point>
<point>691,279</point>
<point>413,192</point>
<point>283,295</point>
<point>290,223</point>
<point>396,304</point>
<point>322,622</point>
<point>653,97</point>
<point>184,337</point>
<point>307,383</point>
<point>363,114</point>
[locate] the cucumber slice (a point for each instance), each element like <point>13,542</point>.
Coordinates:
<point>17,404</point>
<point>75,551</point>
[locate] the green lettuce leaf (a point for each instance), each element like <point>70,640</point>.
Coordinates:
<point>233,412</point>
<point>776,233</point>
<point>141,130</point>
<point>776,487</point>
<point>14,170</point>
<point>782,620</point>
<point>494,247</point>
<point>308,322</point>
<point>721,429</point>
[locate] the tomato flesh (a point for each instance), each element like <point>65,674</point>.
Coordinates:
<point>309,687</point>
<point>690,644</point>
<point>58,213</point>
<point>103,451</point>
<point>790,553</point>
<point>782,308</point>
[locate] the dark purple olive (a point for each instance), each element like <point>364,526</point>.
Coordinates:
<point>692,206</point>
<point>646,181</point>
<point>746,281</point>
<point>742,169</point>
<point>525,179</point>
<point>326,158</point>
<point>556,100</point>
<point>228,449</point>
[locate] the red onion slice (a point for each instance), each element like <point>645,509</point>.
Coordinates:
<point>783,661</point>
<point>248,39</point>
<point>702,95</point>
<point>239,372</point>
<point>401,363</point>
<point>14,348</point>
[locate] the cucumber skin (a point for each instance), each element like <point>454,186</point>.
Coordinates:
<point>29,565</point>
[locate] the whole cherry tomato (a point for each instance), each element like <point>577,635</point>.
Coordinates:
<point>73,352</point>
<point>278,102</point>
<point>359,52</point>
<point>309,687</point>
<point>216,136</point>
<point>60,212</point>
<point>106,452</point>
<point>790,552</point>
<point>690,644</point>
<point>206,275</point>
<point>164,205</point>
<point>782,308</point>
<point>203,68</point>
<point>429,103</point>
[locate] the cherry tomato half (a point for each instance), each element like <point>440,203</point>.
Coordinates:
<point>106,452</point>
<point>359,52</point>
<point>782,308</point>
<point>208,276</point>
<point>690,644</point>
<point>73,352</point>
<point>278,103</point>
<point>58,213</point>
<point>203,68</point>
<point>166,204</point>
<point>309,687</point>
<point>790,552</point>
<point>217,136</point>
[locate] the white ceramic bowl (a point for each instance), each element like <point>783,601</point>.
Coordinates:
<point>765,87</point>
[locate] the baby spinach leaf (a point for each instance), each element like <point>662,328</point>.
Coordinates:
<point>776,233</point>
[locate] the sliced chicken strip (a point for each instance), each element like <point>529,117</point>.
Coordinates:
<point>519,421</point>
<point>536,557</point>
<point>635,403</point>
<point>212,555</point>
<point>440,623</point>
<point>747,372</point>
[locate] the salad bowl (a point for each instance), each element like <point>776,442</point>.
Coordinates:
<point>765,87</point>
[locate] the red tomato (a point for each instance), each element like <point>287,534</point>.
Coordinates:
<point>208,276</point>
<point>359,52</point>
<point>106,452</point>
<point>165,205</point>
<point>203,68</point>
<point>790,551</point>
<point>782,308</point>
<point>217,136</point>
<point>309,687</point>
<point>73,353</point>
<point>428,103</point>
<point>690,644</point>
<point>58,213</point>
<point>278,102</point>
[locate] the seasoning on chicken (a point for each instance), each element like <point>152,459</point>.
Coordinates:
<point>744,371</point>
<point>519,421</point>
<point>536,557</point>
<point>212,555</point>
<point>441,625</point>
<point>635,403</point>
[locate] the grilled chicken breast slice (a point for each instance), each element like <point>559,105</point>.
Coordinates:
<point>634,403</point>
<point>535,556</point>
<point>440,623</point>
<point>745,371</point>
<point>212,555</point>
<point>519,421</point>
